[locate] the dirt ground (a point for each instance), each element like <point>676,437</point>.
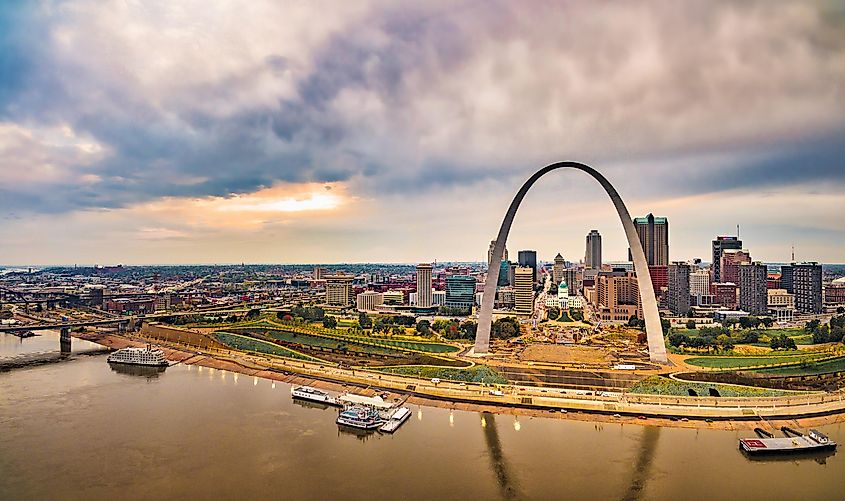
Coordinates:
<point>556,353</point>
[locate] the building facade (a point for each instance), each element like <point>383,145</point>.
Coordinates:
<point>368,300</point>
<point>424,285</point>
<point>781,304</point>
<point>460,292</point>
<point>592,256</point>
<point>557,271</point>
<point>724,294</point>
<point>528,258</point>
<point>807,287</point>
<point>753,295</point>
<point>523,290</point>
<point>720,244</point>
<point>654,237</point>
<point>678,293</point>
<point>616,298</point>
<point>730,263</point>
<point>339,290</point>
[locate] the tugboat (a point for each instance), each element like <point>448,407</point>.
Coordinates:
<point>361,417</point>
<point>139,356</point>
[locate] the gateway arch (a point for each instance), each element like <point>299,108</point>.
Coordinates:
<point>653,328</point>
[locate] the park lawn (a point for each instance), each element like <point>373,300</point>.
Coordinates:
<point>564,317</point>
<point>808,369</point>
<point>751,361</point>
<point>660,385</point>
<point>474,374</point>
<point>245,343</point>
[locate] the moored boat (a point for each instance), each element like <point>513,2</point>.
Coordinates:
<point>139,356</point>
<point>396,419</point>
<point>312,394</point>
<point>797,443</point>
<point>361,417</point>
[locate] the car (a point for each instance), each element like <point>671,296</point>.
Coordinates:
<point>496,393</point>
<point>435,380</point>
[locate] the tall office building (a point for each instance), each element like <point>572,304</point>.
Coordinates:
<point>730,263</point>
<point>753,295</point>
<point>678,292</point>
<point>504,256</point>
<point>720,244</point>
<point>654,236</point>
<point>592,257</point>
<point>460,292</point>
<point>339,290</point>
<point>807,287</point>
<point>524,290</point>
<point>424,285</point>
<point>317,274</point>
<point>529,258</point>
<point>557,271</point>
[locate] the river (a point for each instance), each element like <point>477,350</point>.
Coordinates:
<point>79,429</point>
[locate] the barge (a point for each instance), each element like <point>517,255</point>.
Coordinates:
<point>395,420</point>
<point>793,442</point>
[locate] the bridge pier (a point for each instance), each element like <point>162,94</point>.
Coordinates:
<point>64,340</point>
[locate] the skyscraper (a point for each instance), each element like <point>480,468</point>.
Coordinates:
<point>557,273</point>
<point>529,258</point>
<point>699,285</point>
<point>504,256</point>
<point>786,278</point>
<point>721,243</point>
<point>524,290</point>
<point>424,285</point>
<point>654,236</point>
<point>504,273</point>
<point>753,294</point>
<point>570,275</point>
<point>807,286</point>
<point>592,258</point>
<point>678,293</point>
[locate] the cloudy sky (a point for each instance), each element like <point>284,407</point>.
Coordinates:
<point>306,131</point>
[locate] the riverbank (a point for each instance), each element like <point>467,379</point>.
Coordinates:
<point>803,411</point>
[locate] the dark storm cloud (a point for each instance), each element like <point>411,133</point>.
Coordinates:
<point>419,97</point>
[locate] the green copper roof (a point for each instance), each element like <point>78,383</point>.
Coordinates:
<point>644,220</point>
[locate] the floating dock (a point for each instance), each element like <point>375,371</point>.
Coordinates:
<point>797,443</point>
<point>395,420</point>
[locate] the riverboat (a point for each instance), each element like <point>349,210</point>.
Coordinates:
<point>361,417</point>
<point>312,395</point>
<point>139,356</point>
<point>793,442</point>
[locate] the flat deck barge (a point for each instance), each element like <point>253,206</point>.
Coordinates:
<point>796,444</point>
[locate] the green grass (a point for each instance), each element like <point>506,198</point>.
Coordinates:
<point>474,374</point>
<point>750,361</point>
<point>564,317</point>
<point>660,385</point>
<point>245,343</point>
<point>318,341</point>
<point>808,368</point>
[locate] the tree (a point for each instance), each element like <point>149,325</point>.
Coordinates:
<point>253,313</point>
<point>554,313</point>
<point>691,323</point>
<point>423,327</point>
<point>677,339</point>
<point>576,314</point>
<point>783,342</point>
<point>821,335</point>
<point>364,320</point>
<point>840,310</point>
<point>767,322</point>
<point>505,328</point>
<point>811,326</point>
<point>329,322</point>
<point>666,326</point>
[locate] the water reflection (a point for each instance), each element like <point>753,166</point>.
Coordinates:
<point>149,372</point>
<point>642,465</point>
<point>362,435</point>
<point>309,404</point>
<point>507,484</point>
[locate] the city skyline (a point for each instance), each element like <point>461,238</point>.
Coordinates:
<point>364,132</point>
